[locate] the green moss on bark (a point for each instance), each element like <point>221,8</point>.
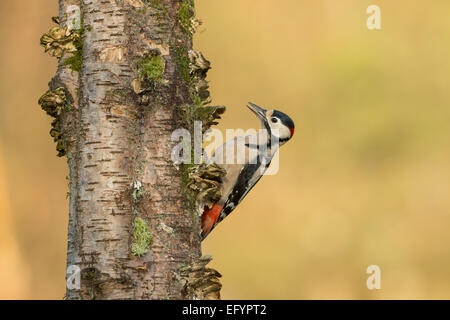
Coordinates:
<point>75,62</point>
<point>151,67</point>
<point>182,59</point>
<point>185,16</point>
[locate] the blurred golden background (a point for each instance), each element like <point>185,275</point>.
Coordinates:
<point>365,180</point>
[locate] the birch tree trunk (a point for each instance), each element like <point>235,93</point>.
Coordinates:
<point>124,80</point>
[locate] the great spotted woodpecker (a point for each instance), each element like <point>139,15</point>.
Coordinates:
<point>256,152</point>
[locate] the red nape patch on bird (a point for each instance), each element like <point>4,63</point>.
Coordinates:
<point>210,217</point>
<point>292,131</point>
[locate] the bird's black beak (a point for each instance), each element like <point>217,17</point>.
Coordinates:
<point>258,111</point>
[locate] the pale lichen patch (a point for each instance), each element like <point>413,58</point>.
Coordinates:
<point>142,237</point>
<point>165,228</point>
<point>138,191</point>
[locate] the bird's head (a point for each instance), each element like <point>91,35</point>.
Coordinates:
<point>275,122</point>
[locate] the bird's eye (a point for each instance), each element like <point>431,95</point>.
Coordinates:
<point>274,120</point>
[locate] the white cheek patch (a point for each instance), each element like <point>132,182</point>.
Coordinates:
<point>280,130</point>
<point>285,132</point>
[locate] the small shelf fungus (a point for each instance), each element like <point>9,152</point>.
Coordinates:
<point>54,103</point>
<point>197,68</point>
<point>200,282</point>
<point>58,41</point>
<point>142,237</point>
<point>205,181</point>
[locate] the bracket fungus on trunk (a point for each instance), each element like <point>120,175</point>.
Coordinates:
<point>54,102</point>
<point>205,181</point>
<point>57,41</point>
<point>200,282</point>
